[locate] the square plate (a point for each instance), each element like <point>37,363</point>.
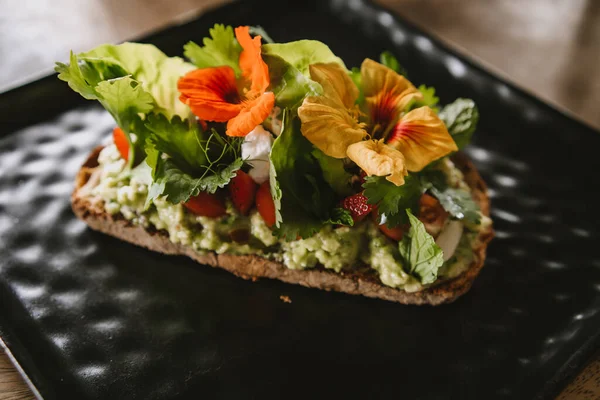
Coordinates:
<point>91,317</point>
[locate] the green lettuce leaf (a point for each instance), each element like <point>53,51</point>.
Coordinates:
<point>288,84</point>
<point>301,195</point>
<point>387,58</point>
<point>302,53</point>
<point>157,72</point>
<point>422,257</point>
<point>221,49</point>
<point>392,200</point>
<point>129,80</point>
<point>334,173</point>
<point>461,118</point>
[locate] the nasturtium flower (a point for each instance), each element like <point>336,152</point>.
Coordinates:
<point>386,93</point>
<point>377,158</point>
<point>422,137</point>
<point>398,140</point>
<point>213,94</point>
<point>330,121</point>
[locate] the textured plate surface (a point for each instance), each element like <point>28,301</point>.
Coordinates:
<point>95,318</point>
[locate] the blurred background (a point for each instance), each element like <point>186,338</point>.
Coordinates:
<point>550,48</point>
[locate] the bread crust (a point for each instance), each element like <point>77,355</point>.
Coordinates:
<point>91,211</point>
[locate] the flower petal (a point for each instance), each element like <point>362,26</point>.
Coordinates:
<point>387,93</point>
<point>327,121</point>
<point>211,93</point>
<point>328,126</point>
<point>251,63</point>
<point>422,137</point>
<point>337,84</point>
<point>253,113</point>
<point>376,158</point>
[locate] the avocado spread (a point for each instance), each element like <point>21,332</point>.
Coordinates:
<point>124,191</point>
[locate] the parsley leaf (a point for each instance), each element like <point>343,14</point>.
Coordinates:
<point>461,118</point>
<point>178,186</point>
<point>387,58</point>
<point>198,161</point>
<point>421,255</point>
<point>340,216</point>
<point>392,200</point>
<point>181,139</point>
<point>124,98</point>
<point>222,48</point>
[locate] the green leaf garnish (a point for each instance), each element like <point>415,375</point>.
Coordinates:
<point>302,197</point>
<point>461,118</point>
<point>334,173</point>
<point>221,49</point>
<point>302,53</point>
<point>387,58</point>
<point>178,186</point>
<point>422,257</point>
<point>288,84</point>
<point>392,200</point>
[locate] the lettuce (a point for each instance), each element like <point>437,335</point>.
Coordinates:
<point>288,84</point>
<point>461,118</point>
<point>302,53</point>
<point>304,201</point>
<point>221,49</point>
<point>422,257</point>
<point>334,173</point>
<point>130,80</point>
<point>157,72</point>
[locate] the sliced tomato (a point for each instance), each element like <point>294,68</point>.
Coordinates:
<point>395,233</point>
<point>121,142</point>
<point>432,214</point>
<point>358,207</point>
<point>206,205</point>
<point>265,205</point>
<point>242,190</point>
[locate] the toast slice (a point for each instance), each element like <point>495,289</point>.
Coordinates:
<point>360,282</point>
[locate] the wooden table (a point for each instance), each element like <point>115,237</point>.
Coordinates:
<point>551,48</point>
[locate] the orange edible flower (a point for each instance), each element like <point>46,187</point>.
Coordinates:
<point>213,94</point>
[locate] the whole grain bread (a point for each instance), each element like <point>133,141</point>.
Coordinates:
<point>360,281</point>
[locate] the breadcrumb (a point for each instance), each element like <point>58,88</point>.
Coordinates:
<point>285,299</point>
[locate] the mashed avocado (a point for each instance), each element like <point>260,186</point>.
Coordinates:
<point>333,248</point>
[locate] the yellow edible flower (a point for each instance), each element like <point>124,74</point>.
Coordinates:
<point>377,158</point>
<point>397,140</point>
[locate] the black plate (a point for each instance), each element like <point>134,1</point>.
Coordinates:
<point>95,318</point>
